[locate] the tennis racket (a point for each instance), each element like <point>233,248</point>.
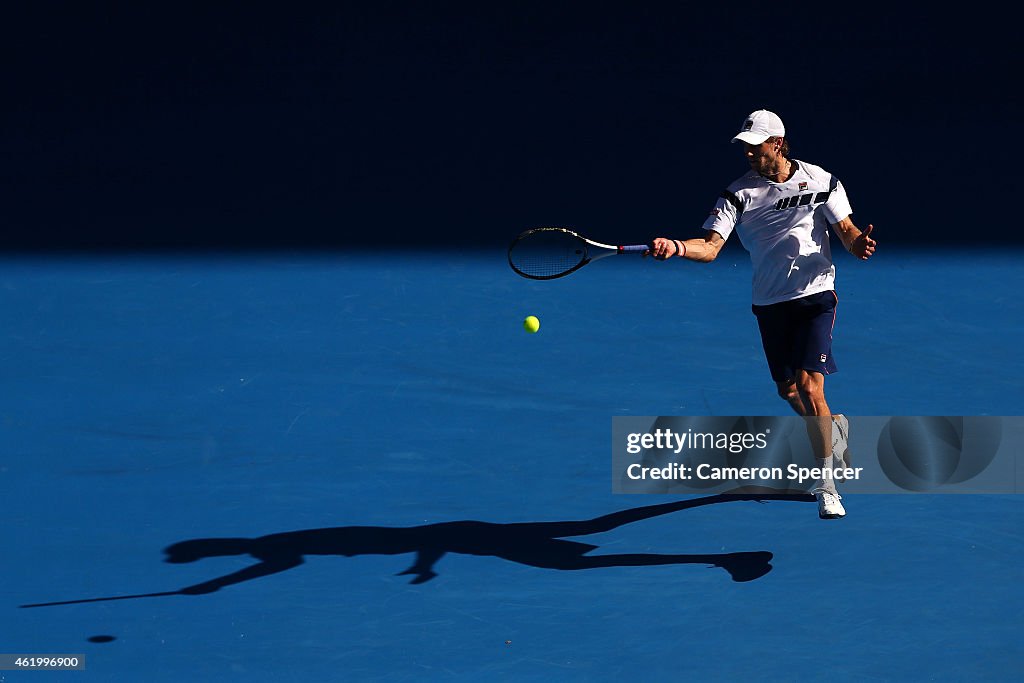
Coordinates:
<point>549,253</point>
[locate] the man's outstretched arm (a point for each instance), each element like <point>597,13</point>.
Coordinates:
<point>700,249</point>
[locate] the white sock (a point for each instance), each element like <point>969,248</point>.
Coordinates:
<point>826,483</point>
<point>840,457</point>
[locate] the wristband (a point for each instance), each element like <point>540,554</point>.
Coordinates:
<point>680,248</point>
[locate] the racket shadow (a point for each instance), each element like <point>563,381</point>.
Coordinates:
<point>536,544</point>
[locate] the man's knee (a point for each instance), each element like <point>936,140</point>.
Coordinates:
<point>810,385</point>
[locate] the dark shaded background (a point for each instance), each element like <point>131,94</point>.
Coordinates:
<point>331,124</point>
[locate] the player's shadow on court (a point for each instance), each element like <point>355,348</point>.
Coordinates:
<point>537,544</point>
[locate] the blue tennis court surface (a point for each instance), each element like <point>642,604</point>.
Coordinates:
<point>367,414</point>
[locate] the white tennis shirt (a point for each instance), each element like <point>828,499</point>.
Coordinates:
<point>784,226</point>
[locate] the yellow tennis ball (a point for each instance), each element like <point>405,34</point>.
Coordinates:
<point>531,324</point>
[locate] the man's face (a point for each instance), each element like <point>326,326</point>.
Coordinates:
<point>762,158</point>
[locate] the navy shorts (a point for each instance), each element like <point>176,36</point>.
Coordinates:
<point>797,335</point>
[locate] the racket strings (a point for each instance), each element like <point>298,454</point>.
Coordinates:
<point>547,253</point>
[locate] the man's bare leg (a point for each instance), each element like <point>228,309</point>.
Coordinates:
<point>806,395</point>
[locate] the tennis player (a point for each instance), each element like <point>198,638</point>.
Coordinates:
<point>783,212</point>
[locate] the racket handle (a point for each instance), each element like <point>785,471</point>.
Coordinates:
<point>632,248</point>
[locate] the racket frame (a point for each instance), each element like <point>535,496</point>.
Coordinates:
<point>609,250</point>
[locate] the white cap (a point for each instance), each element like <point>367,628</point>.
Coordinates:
<point>759,126</point>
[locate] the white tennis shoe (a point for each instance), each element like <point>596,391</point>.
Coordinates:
<point>829,506</point>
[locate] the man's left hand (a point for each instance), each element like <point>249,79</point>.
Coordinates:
<point>863,246</point>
